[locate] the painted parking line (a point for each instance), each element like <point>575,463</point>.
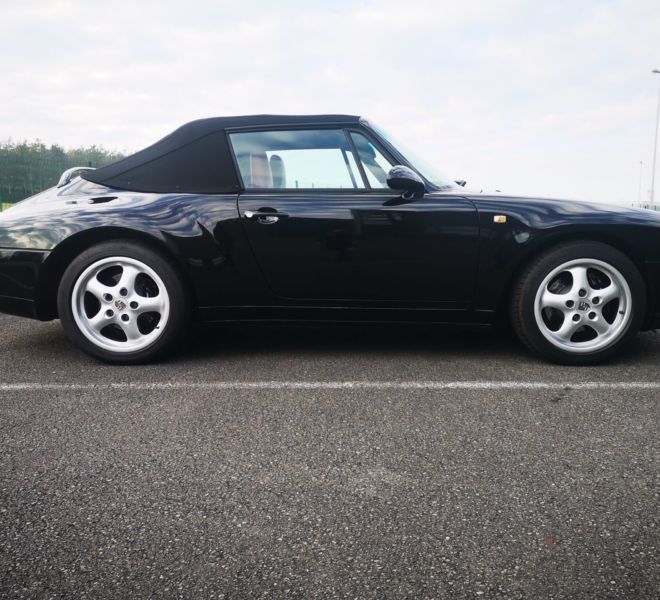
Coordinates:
<point>333,385</point>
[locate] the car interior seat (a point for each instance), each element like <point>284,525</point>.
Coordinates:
<point>278,171</point>
<point>260,174</point>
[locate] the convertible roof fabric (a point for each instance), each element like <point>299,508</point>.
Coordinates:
<point>195,158</point>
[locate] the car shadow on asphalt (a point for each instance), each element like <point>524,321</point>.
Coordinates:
<point>44,345</point>
<point>466,343</point>
<point>334,339</point>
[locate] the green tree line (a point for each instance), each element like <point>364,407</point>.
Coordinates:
<point>27,168</point>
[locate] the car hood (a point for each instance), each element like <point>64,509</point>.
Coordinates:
<point>549,209</point>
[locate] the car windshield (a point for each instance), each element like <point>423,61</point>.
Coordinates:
<point>426,169</point>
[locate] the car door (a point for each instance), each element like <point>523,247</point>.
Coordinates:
<point>324,226</point>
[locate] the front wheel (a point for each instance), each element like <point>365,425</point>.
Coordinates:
<point>579,303</point>
<point>123,302</point>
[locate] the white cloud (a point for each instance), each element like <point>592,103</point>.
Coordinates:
<point>549,97</point>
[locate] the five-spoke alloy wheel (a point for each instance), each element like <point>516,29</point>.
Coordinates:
<point>578,303</point>
<point>120,304</point>
<point>123,302</point>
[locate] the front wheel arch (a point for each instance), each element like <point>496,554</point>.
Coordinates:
<point>502,310</point>
<point>620,270</point>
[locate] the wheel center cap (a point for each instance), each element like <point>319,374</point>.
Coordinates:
<point>120,305</point>
<point>584,306</point>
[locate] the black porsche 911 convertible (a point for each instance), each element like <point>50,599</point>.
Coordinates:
<point>317,218</point>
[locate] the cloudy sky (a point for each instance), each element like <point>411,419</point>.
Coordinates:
<point>555,98</point>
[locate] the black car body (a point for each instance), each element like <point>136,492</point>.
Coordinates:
<point>362,254</point>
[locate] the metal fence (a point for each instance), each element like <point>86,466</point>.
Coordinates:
<point>27,168</point>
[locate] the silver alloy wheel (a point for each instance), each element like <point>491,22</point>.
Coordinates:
<point>584,305</point>
<point>120,304</point>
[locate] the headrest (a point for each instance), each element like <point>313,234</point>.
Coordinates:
<point>260,170</point>
<point>278,171</point>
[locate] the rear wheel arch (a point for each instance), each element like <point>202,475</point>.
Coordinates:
<point>124,302</point>
<point>66,251</point>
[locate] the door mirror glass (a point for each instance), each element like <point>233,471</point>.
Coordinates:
<point>404,179</point>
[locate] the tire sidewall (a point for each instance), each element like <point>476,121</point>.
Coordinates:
<point>179,315</point>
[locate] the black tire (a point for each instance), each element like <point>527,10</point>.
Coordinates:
<point>179,315</point>
<point>524,294</point>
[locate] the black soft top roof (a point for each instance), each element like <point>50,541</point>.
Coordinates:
<point>195,158</point>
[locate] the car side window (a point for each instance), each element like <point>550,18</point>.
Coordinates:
<point>296,159</point>
<point>376,166</point>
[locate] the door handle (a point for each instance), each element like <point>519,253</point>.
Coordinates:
<point>264,218</point>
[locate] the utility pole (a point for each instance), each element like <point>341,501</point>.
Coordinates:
<point>639,192</point>
<point>655,146</point>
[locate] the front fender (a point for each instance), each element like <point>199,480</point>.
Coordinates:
<point>533,225</point>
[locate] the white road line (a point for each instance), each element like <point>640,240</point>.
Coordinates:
<point>333,385</point>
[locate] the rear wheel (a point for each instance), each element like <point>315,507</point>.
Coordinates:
<point>123,302</point>
<point>579,303</point>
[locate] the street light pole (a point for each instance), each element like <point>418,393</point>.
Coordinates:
<point>655,147</point>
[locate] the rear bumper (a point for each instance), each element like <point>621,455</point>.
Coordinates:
<point>19,279</point>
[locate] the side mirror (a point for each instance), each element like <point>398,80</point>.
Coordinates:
<point>406,180</point>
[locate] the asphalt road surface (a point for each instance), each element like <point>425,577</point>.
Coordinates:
<point>327,462</point>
